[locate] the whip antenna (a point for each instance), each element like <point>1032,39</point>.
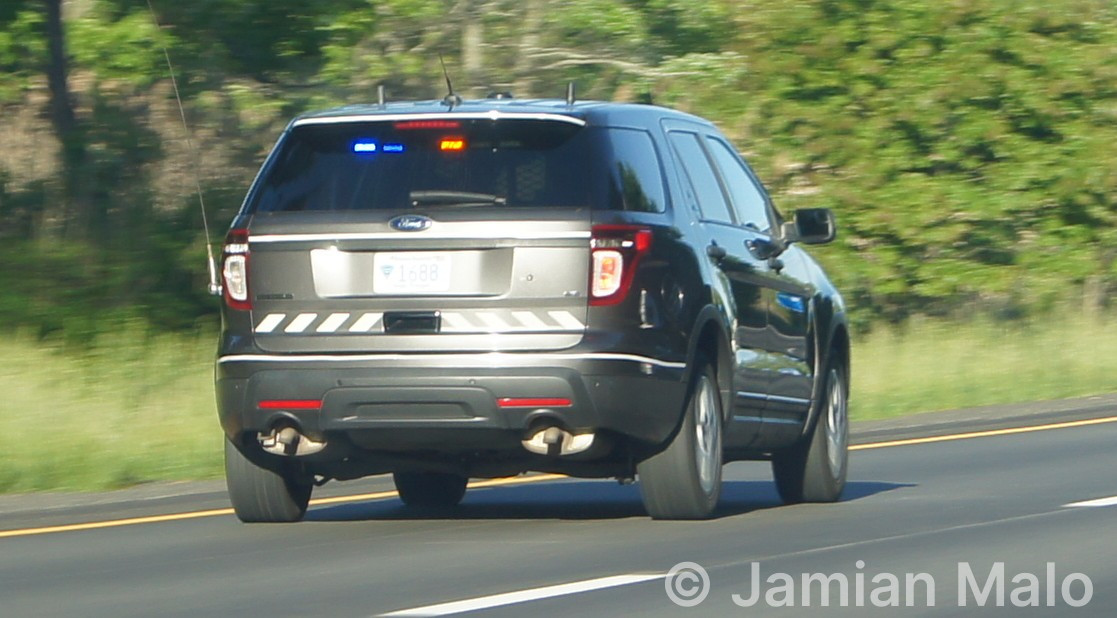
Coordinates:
<point>214,285</point>
<point>451,98</point>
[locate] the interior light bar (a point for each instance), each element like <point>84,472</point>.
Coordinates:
<point>451,144</point>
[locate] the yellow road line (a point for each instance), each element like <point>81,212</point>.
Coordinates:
<point>518,480</point>
<point>381,495</point>
<point>983,434</point>
<point>113,523</point>
<point>154,519</point>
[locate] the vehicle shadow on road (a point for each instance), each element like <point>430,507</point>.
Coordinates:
<point>572,500</point>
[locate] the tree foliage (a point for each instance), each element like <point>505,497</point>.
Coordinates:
<point>966,146</point>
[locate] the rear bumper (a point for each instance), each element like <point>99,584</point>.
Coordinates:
<point>447,403</point>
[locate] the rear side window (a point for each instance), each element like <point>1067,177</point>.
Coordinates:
<point>711,200</point>
<point>636,179</point>
<point>446,163</point>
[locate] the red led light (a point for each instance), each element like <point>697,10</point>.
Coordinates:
<point>533,402</point>
<point>291,404</point>
<point>427,124</point>
<point>616,253</point>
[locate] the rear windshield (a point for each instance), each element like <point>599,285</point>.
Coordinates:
<point>461,163</point>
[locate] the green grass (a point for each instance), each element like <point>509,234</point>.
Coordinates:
<point>135,408</point>
<point>944,365</point>
<point>132,408</point>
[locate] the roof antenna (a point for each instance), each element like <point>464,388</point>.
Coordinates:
<point>380,95</point>
<point>570,93</point>
<point>214,281</point>
<point>451,99</point>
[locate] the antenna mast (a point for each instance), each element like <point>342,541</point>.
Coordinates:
<point>214,285</point>
<point>451,99</point>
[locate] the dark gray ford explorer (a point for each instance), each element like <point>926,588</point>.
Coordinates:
<point>447,290</point>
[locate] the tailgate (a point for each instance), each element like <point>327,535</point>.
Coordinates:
<point>478,279</point>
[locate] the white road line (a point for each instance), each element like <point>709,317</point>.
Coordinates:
<point>1111,501</point>
<point>523,596</point>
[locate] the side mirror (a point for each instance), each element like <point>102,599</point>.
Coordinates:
<point>810,226</point>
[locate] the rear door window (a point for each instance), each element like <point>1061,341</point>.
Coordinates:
<point>711,199</point>
<point>748,201</point>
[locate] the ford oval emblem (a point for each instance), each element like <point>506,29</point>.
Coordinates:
<point>410,223</point>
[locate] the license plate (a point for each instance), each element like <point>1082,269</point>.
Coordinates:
<point>411,273</point>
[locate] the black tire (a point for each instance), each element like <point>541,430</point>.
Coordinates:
<point>430,489</point>
<point>815,469</point>
<point>260,495</point>
<point>684,480</point>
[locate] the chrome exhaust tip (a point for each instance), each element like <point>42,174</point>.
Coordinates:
<point>557,442</point>
<point>286,440</point>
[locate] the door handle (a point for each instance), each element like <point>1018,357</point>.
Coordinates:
<point>761,249</point>
<point>716,251</point>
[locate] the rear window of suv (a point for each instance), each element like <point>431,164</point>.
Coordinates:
<point>461,163</point>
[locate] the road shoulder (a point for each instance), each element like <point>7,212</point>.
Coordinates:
<point>51,508</point>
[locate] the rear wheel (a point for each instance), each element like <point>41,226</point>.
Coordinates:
<point>430,489</point>
<point>815,469</point>
<point>260,495</point>
<point>684,480</point>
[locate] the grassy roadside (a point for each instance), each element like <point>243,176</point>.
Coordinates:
<point>137,408</point>
<point>944,365</point>
<point>132,408</point>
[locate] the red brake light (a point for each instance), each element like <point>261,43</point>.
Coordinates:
<point>534,402</point>
<point>427,124</point>
<point>290,404</point>
<point>616,252</point>
<point>234,270</point>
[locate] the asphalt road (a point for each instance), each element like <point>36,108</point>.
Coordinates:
<point>932,512</point>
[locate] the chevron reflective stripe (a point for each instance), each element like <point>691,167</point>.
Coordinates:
<point>300,322</point>
<point>269,323</point>
<point>493,321</point>
<point>530,320</point>
<point>366,323</point>
<point>458,322</point>
<point>332,323</point>
<point>566,320</point>
<point>455,322</point>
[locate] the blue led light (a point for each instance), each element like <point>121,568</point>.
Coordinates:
<point>393,147</point>
<point>364,147</point>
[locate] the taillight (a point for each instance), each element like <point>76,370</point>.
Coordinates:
<point>534,402</point>
<point>290,404</point>
<point>616,251</point>
<point>234,270</point>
